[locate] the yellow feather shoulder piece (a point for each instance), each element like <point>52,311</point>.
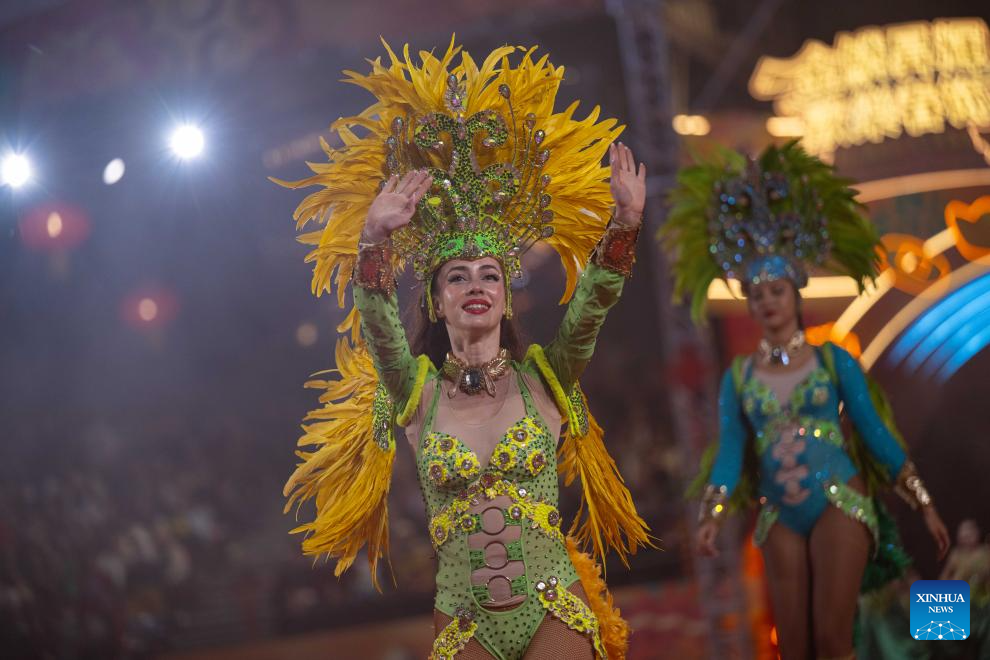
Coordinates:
<point>347,468</point>
<point>610,518</point>
<point>423,368</point>
<point>535,355</point>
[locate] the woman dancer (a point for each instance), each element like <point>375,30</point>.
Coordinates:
<point>477,168</point>
<point>780,436</point>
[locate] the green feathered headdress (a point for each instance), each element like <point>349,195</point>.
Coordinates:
<point>732,217</point>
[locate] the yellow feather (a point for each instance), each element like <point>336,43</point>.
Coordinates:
<point>611,514</point>
<point>611,520</point>
<point>347,474</point>
<point>401,87</point>
<point>612,628</point>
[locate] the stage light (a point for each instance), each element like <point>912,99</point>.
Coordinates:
<point>113,172</point>
<point>307,334</point>
<point>822,286</point>
<point>147,309</point>
<point>785,126</point>
<point>15,170</point>
<point>150,308</point>
<point>187,141</point>
<point>691,125</point>
<point>909,262</point>
<point>54,224</point>
<point>880,83</point>
<point>945,326</point>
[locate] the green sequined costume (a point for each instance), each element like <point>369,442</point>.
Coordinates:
<point>522,476</point>
<point>505,171</point>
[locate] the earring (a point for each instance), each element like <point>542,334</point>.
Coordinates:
<point>428,304</point>
<point>508,300</point>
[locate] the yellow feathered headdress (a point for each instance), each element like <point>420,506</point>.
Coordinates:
<point>506,167</point>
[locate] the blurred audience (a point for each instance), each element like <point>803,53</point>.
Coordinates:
<point>126,537</point>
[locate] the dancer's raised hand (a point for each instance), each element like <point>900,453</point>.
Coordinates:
<point>394,206</point>
<point>628,185</point>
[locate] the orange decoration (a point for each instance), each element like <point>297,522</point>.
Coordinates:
<point>913,270</point>
<point>973,214</point>
<point>819,334</point>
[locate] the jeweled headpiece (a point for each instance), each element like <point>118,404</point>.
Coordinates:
<point>498,211</point>
<point>507,170</point>
<point>764,219</point>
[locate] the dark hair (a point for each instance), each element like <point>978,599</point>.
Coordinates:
<point>431,339</point>
<point>797,307</point>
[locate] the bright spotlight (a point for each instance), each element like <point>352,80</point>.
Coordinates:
<point>15,170</point>
<point>113,172</point>
<point>691,125</point>
<point>54,224</point>
<point>785,126</point>
<point>307,334</point>
<point>147,309</point>
<point>187,141</point>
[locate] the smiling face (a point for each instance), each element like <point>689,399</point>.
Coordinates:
<point>470,295</point>
<point>772,304</point>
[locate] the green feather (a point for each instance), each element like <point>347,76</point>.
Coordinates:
<point>685,235</point>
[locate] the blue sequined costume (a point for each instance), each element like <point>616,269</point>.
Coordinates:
<point>803,461</point>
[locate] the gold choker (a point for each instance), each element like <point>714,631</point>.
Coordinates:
<point>474,379</point>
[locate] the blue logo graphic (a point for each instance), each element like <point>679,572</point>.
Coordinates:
<point>940,609</point>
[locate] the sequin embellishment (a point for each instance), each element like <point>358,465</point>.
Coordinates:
<point>854,504</point>
<point>468,466</point>
<point>523,452</point>
<point>455,517</point>
<point>764,521</point>
<point>570,609</point>
<point>535,462</point>
<point>455,636</point>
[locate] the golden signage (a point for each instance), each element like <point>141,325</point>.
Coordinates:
<point>882,82</point>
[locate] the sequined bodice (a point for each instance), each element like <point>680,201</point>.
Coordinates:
<point>759,401</point>
<point>502,560</point>
<point>799,441</point>
<point>494,525</point>
<point>803,461</point>
<point>519,456</point>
